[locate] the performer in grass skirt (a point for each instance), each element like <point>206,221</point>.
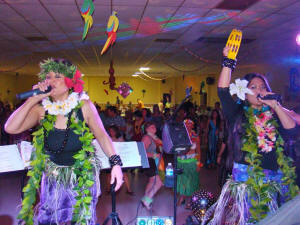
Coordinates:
<point>63,163</point>
<point>188,181</point>
<point>262,177</point>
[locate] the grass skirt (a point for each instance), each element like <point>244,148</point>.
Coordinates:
<point>188,181</point>
<point>57,196</point>
<point>233,205</point>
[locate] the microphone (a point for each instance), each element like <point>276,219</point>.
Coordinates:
<point>33,92</point>
<point>276,97</point>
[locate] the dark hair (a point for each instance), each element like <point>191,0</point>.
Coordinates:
<point>250,76</point>
<point>113,109</point>
<point>147,125</point>
<point>116,129</point>
<point>218,121</point>
<point>138,113</point>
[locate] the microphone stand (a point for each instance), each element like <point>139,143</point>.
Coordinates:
<point>113,215</point>
<point>177,171</point>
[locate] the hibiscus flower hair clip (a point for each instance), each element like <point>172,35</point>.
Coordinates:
<point>240,89</point>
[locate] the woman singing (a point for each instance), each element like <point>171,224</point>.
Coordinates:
<point>262,176</point>
<point>64,164</point>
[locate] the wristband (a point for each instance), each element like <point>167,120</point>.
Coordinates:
<point>229,63</point>
<point>115,160</point>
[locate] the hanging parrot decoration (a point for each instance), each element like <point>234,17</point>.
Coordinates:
<point>111,31</point>
<point>86,11</point>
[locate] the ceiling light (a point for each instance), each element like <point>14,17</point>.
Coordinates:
<point>144,68</point>
<point>298,39</point>
<point>135,75</point>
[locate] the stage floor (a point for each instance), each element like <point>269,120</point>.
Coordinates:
<point>126,204</point>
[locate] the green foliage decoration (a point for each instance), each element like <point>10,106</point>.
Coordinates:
<point>60,66</point>
<point>82,168</point>
<point>260,191</point>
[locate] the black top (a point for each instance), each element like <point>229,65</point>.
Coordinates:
<point>232,110</point>
<point>73,145</point>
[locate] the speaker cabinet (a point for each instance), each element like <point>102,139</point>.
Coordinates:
<point>210,80</point>
<point>175,138</point>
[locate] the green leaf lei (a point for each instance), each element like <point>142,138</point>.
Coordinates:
<point>49,65</point>
<point>259,190</point>
<point>82,168</point>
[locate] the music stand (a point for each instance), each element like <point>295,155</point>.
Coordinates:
<point>144,164</point>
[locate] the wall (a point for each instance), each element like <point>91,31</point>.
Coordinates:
<point>95,88</point>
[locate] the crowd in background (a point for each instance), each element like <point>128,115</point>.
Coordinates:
<point>126,123</point>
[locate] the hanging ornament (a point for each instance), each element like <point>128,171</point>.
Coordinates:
<point>112,78</point>
<point>111,31</point>
<point>201,201</point>
<point>124,89</point>
<point>86,11</point>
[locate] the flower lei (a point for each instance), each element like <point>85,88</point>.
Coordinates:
<point>82,168</point>
<point>260,133</point>
<point>63,107</point>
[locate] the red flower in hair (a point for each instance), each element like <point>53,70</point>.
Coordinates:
<point>75,82</point>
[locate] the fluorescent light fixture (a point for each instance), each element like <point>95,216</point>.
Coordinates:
<point>144,68</point>
<point>135,75</point>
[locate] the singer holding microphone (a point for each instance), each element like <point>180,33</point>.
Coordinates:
<point>64,165</point>
<point>262,176</point>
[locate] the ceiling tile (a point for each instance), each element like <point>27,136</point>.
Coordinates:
<point>65,12</point>
<point>126,3</point>
<point>206,4</point>
<point>60,2</point>
<point>190,15</point>
<point>127,14</point>
<point>165,3</point>
<point>252,32</point>
<point>269,6</point>
<point>158,14</point>
<point>273,20</point>
<point>46,27</point>
<point>32,12</point>
<point>11,36</point>
<point>291,9</point>
<point>221,31</point>
<point>21,27</point>
<point>217,16</point>
<point>245,18</point>
<point>8,14</point>
<point>21,1</point>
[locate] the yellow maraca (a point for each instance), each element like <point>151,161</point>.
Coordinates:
<point>234,42</point>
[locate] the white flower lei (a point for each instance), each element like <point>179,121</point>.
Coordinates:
<point>63,107</point>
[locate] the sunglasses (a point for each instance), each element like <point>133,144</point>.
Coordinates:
<point>63,61</point>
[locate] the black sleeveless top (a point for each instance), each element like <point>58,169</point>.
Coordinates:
<point>73,145</point>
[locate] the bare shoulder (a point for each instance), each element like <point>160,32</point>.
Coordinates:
<point>88,109</point>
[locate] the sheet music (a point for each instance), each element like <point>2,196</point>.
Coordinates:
<point>10,159</point>
<point>128,152</point>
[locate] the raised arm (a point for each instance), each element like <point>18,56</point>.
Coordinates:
<point>225,75</point>
<point>93,120</point>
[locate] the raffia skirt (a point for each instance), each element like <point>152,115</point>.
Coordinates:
<point>188,181</point>
<point>58,198</point>
<point>234,203</point>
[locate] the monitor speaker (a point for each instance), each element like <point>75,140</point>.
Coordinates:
<point>175,138</point>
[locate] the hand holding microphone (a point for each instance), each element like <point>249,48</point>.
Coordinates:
<point>270,99</point>
<point>40,90</point>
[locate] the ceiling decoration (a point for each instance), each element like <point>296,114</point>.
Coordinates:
<point>169,36</point>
